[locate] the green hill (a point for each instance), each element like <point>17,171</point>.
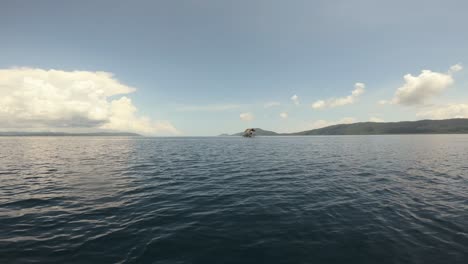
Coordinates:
<point>447,126</point>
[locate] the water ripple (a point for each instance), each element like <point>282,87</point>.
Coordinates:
<point>343,199</point>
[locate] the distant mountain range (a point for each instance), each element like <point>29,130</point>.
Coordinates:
<point>447,126</point>
<point>60,134</point>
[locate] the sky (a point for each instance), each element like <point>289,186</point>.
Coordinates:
<point>206,67</point>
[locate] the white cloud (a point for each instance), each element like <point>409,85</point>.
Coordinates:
<point>445,112</point>
<point>295,99</point>
<point>375,119</point>
<point>319,104</point>
<point>359,89</point>
<point>325,123</point>
<point>418,90</point>
<point>208,108</point>
<point>283,115</point>
<point>44,99</point>
<point>456,68</point>
<point>272,104</point>
<point>122,117</point>
<point>246,116</point>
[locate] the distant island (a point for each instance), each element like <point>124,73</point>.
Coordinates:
<point>63,134</point>
<point>447,126</point>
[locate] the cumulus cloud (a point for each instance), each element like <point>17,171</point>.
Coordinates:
<point>359,89</point>
<point>246,116</point>
<point>272,104</point>
<point>445,112</point>
<point>456,68</point>
<point>325,123</point>
<point>418,90</point>
<point>123,117</point>
<point>319,104</point>
<point>375,119</point>
<point>283,115</point>
<point>44,99</point>
<point>295,99</point>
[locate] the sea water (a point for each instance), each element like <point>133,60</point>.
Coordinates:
<point>317,199</point>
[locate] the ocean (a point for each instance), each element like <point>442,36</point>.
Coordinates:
<point>317,199</point>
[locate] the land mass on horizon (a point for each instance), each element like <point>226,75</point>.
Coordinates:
<point>446,126</point>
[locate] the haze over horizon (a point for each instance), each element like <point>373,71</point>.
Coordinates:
<point>212,67</point>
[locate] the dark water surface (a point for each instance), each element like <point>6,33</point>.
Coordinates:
<point>331,199</point>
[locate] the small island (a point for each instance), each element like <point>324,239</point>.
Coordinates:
<point>249,132</point>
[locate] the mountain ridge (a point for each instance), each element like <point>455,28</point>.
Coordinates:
<point>426,126</point>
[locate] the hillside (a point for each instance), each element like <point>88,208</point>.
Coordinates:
<point>447,126</point>
<point>407,127</point>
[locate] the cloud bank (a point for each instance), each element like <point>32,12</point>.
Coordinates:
<point>359,89</point>
<point>418,90</point>
<point>376,119</point>
<point>445,112</point>
<point>50,99</point>
<point>284,115</point>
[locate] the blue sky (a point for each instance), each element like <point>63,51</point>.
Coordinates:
<point>198,65</point>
